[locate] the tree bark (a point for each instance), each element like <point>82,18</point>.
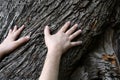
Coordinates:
<point>96,59</point>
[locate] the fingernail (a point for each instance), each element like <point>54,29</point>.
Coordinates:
<point>80,30</point>
<point>76,24</point>
<point>23,25</point>
<point>47,26</point>
<point>10,29</point>
<point>68,22</point>
<point>28,37</point>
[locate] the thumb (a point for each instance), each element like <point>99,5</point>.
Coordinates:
<point>22,41</point>
<point>47,31</point>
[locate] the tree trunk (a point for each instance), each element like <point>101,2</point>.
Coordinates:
<point>96,59</point>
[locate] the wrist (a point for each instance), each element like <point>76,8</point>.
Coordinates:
<point>1,51</point>
<point>54,53</point>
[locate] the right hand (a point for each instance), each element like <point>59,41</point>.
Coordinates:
<point>62,40</point>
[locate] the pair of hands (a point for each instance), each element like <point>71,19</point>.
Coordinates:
<point>61,41</point>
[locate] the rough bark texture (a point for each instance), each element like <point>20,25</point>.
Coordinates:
<point>96,59</point>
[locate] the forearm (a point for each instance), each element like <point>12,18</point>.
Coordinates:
<point>51,67</point>
<point>57,44</point>
<point>1,52</point>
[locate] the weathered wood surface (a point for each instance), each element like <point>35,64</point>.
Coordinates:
<point>99,20</point>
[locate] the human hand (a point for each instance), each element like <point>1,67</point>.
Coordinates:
<point>10,43</point>
<point>62,40</point>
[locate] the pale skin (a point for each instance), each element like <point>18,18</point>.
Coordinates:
<point>57,45</point>
<point>10,43</point>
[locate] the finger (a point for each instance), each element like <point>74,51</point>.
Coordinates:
<point>77,43</point>
<point>22,41</point>
<point>75,34</point>
<point>10,31</point>
<point>15,28</point>
<point>72,29</point>
<point>47,31</point>
<point>65,27</point>
<point>19,30</point>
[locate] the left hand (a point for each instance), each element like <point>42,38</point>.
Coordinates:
<point>10,43</point>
